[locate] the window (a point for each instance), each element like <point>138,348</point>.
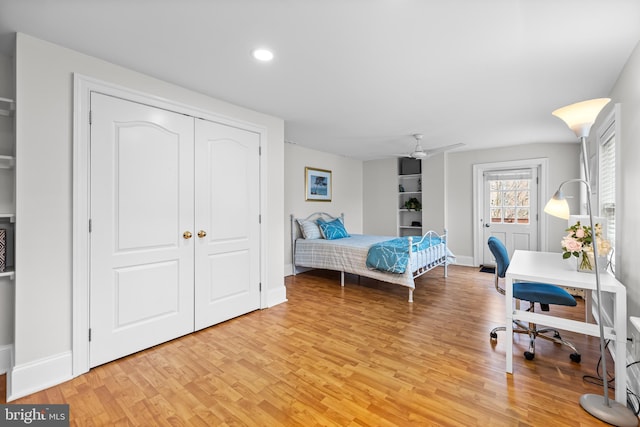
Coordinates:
<point>607,182</point>
<point>510,196</point>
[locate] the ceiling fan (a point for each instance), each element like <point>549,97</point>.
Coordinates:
<point>421,153</point>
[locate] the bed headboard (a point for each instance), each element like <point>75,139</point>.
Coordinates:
<point>296,233</point>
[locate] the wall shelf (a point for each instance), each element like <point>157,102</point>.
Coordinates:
<point>8,273</point>
<point>10,216</point>
<point>7,162</point>
<point>7,106</point>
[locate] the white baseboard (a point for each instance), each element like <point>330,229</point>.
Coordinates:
<point>6,358</point>
<point>467,261</point>
<point>277,296</point>
<point>35,376</point>
<point>288,269</point>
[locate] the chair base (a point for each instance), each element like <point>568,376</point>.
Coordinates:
<point>534,333</point>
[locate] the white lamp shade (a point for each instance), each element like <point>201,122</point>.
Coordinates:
<point>558,207</point>
<point>581,115</point>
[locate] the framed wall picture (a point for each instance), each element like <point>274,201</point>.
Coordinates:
<point>317,184</point>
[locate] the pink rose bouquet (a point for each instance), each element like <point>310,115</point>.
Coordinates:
<point>579,241</point>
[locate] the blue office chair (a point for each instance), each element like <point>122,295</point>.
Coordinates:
<point>541,293</point>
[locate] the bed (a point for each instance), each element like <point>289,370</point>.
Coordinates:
<point>350,253</point>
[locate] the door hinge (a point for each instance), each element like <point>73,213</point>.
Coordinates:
<point>537,180</point>
<point>90,225</point>
<point>89,334</point>
<point>260,286</point>
<point>90,117</point>
<point>260,151</point>
<point>259,218</point>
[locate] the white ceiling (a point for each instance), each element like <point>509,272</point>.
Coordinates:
<point>358,77</point>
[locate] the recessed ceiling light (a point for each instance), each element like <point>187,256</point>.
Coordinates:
<point>262,54</point>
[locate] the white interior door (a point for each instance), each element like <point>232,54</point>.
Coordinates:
<point>227,164</point>
<point>510,210</point>
<point>142,269</point>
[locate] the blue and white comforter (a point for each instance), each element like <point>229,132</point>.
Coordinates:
<point>393,255</point>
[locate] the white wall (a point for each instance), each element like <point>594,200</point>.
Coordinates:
<point>434,193</point>
<point>380,201</point>
<point>458,208</point>
<point>447,191</point>
<point>44,122</point>
<point>346,176</point>
<point>626,92</point>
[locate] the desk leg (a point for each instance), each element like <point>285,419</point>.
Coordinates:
<point>587,305</point>
<point>508,336</point>
<point>620,328</point>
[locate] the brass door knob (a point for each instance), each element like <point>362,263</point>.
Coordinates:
<point>187,235</point>
<point>202,233</point>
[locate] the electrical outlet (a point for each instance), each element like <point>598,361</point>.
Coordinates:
<point>635,337</point>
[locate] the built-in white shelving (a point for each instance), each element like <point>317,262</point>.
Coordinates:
<point>7,189</point>
<point>409,192</point>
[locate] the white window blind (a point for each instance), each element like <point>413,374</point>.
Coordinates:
<point>607,184</point>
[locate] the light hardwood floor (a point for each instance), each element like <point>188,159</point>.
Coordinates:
<point>354,356</point>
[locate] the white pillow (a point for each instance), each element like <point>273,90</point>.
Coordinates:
<point>309,229</point>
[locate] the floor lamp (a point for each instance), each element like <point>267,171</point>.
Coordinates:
<point>580,117</point>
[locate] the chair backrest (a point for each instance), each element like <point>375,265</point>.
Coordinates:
<point>499,252</point>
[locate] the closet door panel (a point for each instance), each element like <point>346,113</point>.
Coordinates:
<point>146,166</point>
<point>228,274</point>
<point>227,210</point>
<point>141,204</point>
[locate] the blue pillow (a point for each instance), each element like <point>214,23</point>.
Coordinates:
<point>333,230</point>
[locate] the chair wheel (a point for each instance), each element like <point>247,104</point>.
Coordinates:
<point>556,335</point>
<point>528,355</point>
<point>493,335</point>
<point>575,357</point>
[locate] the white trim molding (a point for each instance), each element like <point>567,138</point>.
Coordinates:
<point>6,358</point>
<point>83,87</point>
<point>275,296</point>
<point>31,377</point>
<point>542,164</point>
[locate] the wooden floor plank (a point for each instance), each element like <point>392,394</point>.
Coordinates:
<point>358,355</point>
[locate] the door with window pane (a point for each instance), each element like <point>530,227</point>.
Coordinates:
<point>510,209</point>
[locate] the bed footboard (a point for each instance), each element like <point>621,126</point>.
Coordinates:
<point>431,257</point>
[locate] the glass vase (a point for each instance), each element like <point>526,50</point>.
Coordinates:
<point>587,265</point>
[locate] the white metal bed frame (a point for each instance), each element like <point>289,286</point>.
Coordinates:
<point>424,261</point>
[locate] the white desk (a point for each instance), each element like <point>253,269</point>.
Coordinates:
<point>548,267</point>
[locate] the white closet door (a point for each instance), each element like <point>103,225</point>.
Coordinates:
<point>227,222</point>
<point>142,268</point>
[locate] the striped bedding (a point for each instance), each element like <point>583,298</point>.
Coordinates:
<point>349,255</point>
